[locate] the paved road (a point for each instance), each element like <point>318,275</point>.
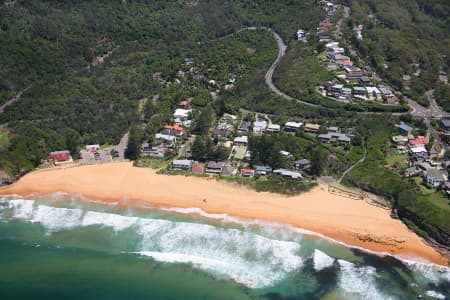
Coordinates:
<point>431,112</point>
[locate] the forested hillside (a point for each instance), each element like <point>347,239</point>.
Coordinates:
<point>404,37</point>
<point>55,49</point>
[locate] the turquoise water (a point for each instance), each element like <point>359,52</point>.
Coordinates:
<point>66,247</point>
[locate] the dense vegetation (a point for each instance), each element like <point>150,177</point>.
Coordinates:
<point>49,45</point>
<point>404,37</point>
<point>413,206</point>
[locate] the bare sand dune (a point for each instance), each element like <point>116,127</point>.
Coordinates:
<point>350,221</point>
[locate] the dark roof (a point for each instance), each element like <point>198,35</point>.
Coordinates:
<point>215,165</point>
<point>446,122</point>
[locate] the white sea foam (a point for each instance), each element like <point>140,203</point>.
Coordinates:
<point>430,271</point>
<point>435,295</point>
<point>55,219</point>
<point>321,260</point>
<point>21,209</point>
<point>117,222</point>
<point>248,258</point>
<point>359,282</point>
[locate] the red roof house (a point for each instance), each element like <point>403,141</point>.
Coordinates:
<point>417,142</point>
<point>60,156</point>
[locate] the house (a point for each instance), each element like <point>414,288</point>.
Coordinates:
<point>324,26</point>
<point>335,50</point>
<point>259,126</point>
<point>373,93</point>
<point>182,114</point>
<point>359,92</point>
<point>336,89</point>
<point>302,164</point>
<point>273,128</point>
<point>335,138</point>
<point>292,126</point>
<point>220,133</point>
<point>197,169</point>
<point>158,151</point>
<point>241,141</point>
<point>60,157</point>
<point>168,139</point>
<point>245,126</point>
<point>324,38</point>
<point>182,164</point>
<point>228,171</point>
<point>435,177</point>
<point>214,167</point>
<point>333,129</point>
<point>288,174</point>
<point>286,153</point>
<point>301,35</point>
<point>364,80</point>
<point>446,126</point>
<point>400,139</point>
<point>412,171</point>
<point>175,130</point>
<point>92,148</point>
<point>418,142</point>
<point>247,173</point>
<point>311,127</point>
<point>346,92</point>
<point>337,58</point>
<point>345,63</point>
<point>386,92</point>
<point>185,104</point>
<point>263,170</point>
<point>405,129</point>
<point>353,73</point>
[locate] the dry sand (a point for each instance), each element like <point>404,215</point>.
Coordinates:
<point>353,222</point>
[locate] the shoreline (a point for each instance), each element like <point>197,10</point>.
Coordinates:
<point>351,222</point>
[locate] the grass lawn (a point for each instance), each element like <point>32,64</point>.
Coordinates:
<point>436,197</point>
<point>393,157</point>
<point>240,153</point>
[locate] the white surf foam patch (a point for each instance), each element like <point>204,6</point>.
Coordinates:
<point>430,271</point>
<point>55,219</point>
<point>117,222</point>
<point>321,260</point>
<point>21,209</point>
<point>435,295</point>
<point>245,257</point>
<point>359,282</point>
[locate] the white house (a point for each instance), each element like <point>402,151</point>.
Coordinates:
<point>241,141</point>
<point>259,126</point>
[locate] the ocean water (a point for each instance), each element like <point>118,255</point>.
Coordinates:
<point>68,247</point>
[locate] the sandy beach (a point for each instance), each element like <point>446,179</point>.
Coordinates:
<point>353,222</point>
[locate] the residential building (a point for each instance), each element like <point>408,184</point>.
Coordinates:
<point>337,58</point>
<point>60,157</point>
<point>247,173</point>
<point>198,169</point>
<point>92,148</point>
<point>364,80</point>
<point>273,128</point>
<point>263,170</point>
<point>214,167</point>
<point>311,127</point>
<point>259,126</point>
<point>353,73</point>
<point>292,126</point>
<point>335,138</point>
<point>446,126</point>
<point>245,126</point>
<point>182,114</point>
<point>168,139</point>
<point>346,92</point>
<point>288,174</point>
<point>182,164</point>
<point>418,142</point>
<point>373,93</point>
<point>405,129</point>
<point>400,139</point>
<point>336,89</point>
<point>359,92</point>
<point>302,164</point>
<point>228,171</point>
<point>241,141</point>
<point>435,177</point>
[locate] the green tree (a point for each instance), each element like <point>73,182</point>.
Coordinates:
<point>134,143</point>
<point>319,160</point>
